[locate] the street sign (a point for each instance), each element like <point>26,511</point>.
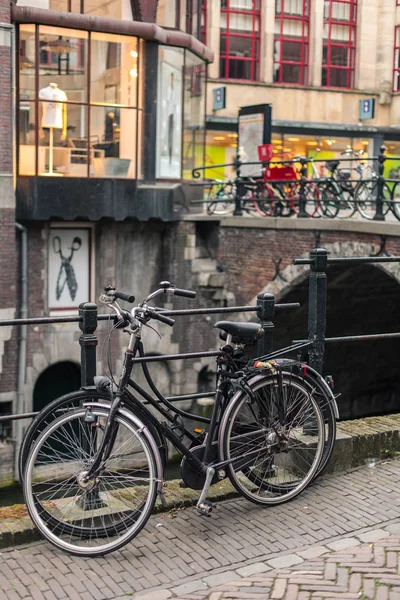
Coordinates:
<point>367,108</point>
<point>219,98</point>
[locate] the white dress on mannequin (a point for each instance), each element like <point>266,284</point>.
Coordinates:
<point>52,115</point>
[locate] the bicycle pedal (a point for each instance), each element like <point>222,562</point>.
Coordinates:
<point>205,508</point>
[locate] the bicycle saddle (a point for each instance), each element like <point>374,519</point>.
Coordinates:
<point>240,332</point>
<point>331,165</point>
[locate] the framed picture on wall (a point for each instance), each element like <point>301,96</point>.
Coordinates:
<point>69,272</point>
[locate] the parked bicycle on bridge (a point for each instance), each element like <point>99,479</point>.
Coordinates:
<point>93,461</point>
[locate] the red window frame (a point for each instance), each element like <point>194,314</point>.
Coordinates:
<point>336,75</point>
<point>203,21</point>
<point>396,59</point>
<point>284,19</point>
<point>230,64</point>
<point>397,2</point>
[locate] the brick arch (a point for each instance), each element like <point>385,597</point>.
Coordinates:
<point>292,275</point>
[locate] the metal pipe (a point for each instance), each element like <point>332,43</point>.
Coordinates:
<point>189,311</point>
<point>187,355</point>
<point>350,259</point>
<point>20,405</point>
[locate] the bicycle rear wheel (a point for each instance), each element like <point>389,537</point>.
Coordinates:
<point>262,434</point>
<point>90,517</point>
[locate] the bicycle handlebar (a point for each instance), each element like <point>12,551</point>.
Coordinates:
<point>160,317</point>
<point>184,293</point>
<point>111,291</point>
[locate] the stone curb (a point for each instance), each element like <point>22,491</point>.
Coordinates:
<point>359,442</point>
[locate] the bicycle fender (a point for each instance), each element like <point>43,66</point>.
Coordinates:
<point>327,389</point>
<point>143,429</point>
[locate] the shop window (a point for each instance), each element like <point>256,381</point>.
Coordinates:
<point>83,118</point>
<point>396,63</point>
<point>240,39</point>
<point>339,46</point>
<point>291,41</point>
<point>193,115</point>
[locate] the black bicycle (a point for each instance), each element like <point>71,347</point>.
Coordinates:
<point>94,465</point>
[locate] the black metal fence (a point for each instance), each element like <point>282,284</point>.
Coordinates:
<point>265,310</point>
<point>371,197</point>
<point>319,262</point>
<point>88,319</point>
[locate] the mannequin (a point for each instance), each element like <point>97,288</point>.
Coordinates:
<point>54,116</point>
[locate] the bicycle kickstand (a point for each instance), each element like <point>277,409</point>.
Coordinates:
<point>203,505</point>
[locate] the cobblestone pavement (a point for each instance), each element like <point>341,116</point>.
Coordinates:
<point>183,555</point>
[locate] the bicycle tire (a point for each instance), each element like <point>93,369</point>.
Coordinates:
<point>328,204</point>
<point>395,202</point>
<point>236,436</point>
<point>324,397</point>
<point>72,524</point>
<point>75,400</point>
<point>365,198</point>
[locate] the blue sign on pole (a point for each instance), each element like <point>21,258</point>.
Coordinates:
<point>219,98</point>
<point>367,108</point>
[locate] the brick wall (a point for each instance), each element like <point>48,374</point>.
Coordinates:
<point>8,238</point>
<point>6,463</point>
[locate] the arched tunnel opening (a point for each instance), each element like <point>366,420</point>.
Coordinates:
<point>360,300</point>
<point>57,380</point>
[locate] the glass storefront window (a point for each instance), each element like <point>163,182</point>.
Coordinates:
<point>27,132</point>
<point>194,104</point>
<point>114,69</point>
<point>63,60</point>
<point>83,128</point>
<point>26,62</point>
<point>113,142</point>
<point>62,148</point>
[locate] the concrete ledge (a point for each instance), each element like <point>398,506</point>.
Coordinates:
<point>359,442</point>
<point>351,225</point>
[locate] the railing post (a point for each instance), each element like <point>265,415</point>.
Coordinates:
<point>302,214</point>
<point>240,191</point>
<point>317,307</point>
<point>88,342</point>
<point>266,313</point>
<point>379,216</point>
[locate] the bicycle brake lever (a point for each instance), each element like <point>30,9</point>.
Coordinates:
<point>154,329</point>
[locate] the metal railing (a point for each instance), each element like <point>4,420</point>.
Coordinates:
<point>317,300</point>
<point>88,319</point>
<point>300,195</point>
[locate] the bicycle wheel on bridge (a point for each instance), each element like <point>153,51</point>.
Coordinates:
<point>274,439</point>
<point>366,194</point>
<point>91,516</point>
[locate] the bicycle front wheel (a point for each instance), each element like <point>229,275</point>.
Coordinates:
<point>274,439</point>
<point>90,517</point>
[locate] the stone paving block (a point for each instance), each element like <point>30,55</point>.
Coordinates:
<point>314,552</point>
<point>154,595</point>
<point>285,561</point>
<point>217,579</point>
<point>343,544</point>
<point>189,587</point>
<point>373,535</point>
<point>252,569</point>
